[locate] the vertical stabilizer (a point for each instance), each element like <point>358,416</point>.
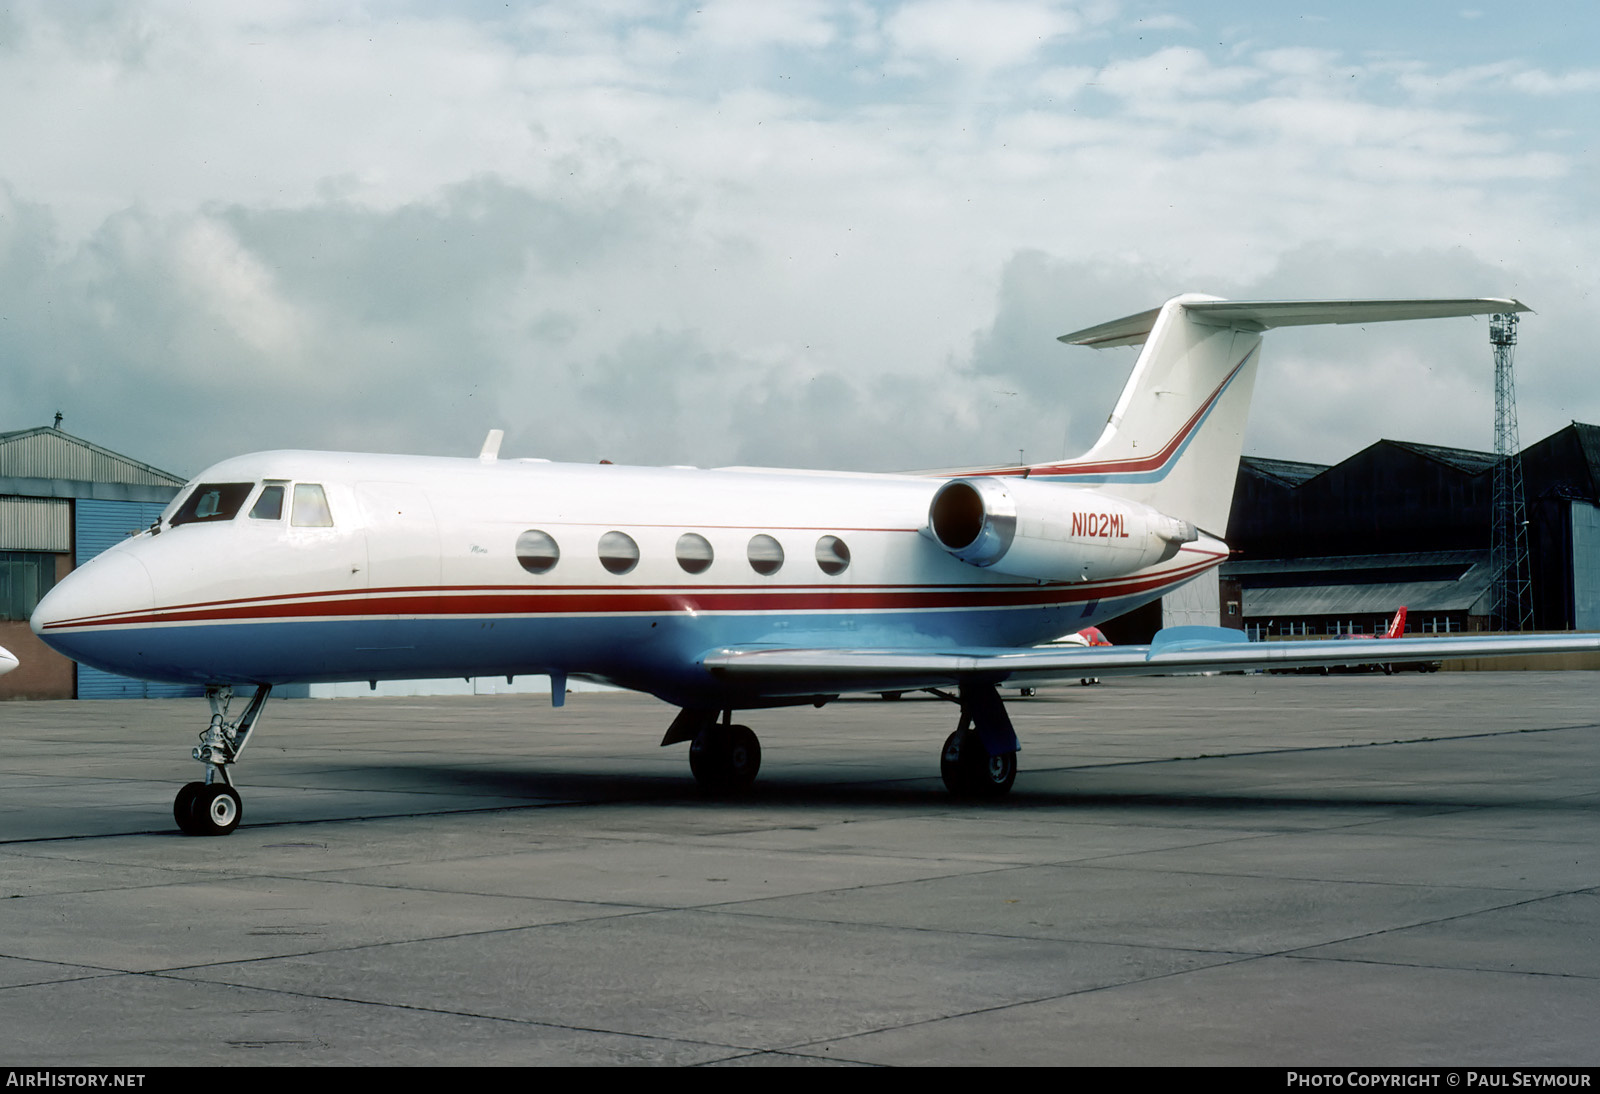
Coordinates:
<point>1174,440</point>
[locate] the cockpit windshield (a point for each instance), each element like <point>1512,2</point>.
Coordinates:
<point>212,501</point>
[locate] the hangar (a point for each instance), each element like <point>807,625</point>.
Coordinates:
<point>63,500</point>
<point>1336,549</point>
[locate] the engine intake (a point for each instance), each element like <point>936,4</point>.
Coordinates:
<point>1049,531</point>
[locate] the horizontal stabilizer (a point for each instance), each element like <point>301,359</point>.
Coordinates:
<point>1259,315</point>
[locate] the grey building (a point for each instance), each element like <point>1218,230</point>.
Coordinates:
<point>1337,549</point>
<point>63,500</point>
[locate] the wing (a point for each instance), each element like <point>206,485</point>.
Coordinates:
<point>779,672</point>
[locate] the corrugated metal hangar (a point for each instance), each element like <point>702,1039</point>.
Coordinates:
<point>1327,550</point>
<point>64,500</point>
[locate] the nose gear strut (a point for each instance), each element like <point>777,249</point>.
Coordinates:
<point>212,807</point>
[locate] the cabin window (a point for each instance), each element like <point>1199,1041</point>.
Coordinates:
<point>694,553</point>
<point>537,551</point>
<point>269,506</point>
<point>618,552</point>
<point>766,554</point>
<point>832,555</point>
<point>213,501</point>
<point>311,506</point>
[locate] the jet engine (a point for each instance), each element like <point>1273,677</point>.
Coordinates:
<point>1049,531</point>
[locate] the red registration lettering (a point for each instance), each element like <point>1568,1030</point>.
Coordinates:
<point>1100,525</point>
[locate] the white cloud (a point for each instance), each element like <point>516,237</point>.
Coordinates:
<point>731,24</point>
<point>982,34</point>
<point>648,233</point>
<point>1173,72</point>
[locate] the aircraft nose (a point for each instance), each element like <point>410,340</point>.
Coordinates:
<point>8,661</point>
<point>112,585</point>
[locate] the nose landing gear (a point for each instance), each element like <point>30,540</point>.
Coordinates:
<point>212,807</point>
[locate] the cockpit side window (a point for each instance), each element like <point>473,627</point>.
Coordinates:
<point>212,501</point>
<point>310,506</point>
<point>269,506</point>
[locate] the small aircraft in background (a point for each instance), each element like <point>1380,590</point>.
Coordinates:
<point>1088,636</point>
<point>718,590</point>
<point>8,660</point>
<point>1396,629</point>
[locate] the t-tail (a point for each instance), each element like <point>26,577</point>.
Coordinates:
<point>1174,440</point>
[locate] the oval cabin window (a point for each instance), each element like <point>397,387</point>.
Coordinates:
<point>832,555</point>
<point>766,555</point>
<point>694,553</point>
<point>537,551</point>
<point>618,552</point>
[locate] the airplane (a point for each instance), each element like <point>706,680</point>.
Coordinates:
<point>1088,636</point>
<point>8,661</point>
<point>718,590</point>
<point>1396,628</point>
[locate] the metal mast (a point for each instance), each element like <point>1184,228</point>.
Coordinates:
<point>1512,592</point>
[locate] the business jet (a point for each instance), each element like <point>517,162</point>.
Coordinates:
<point>719,590</point>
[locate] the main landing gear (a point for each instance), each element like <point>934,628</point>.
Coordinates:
<point>212,807</point>
<point>723,757</point>
<point>978,760</point>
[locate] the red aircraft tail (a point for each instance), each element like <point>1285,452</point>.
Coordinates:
<point>1397,628</point>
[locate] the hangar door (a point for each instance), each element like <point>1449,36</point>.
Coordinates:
<point>100,524</point>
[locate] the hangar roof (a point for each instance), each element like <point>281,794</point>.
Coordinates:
<point>1288,472</point>
<point>1464,459</point>
<point>46,462</point>
<point>1423,581</point>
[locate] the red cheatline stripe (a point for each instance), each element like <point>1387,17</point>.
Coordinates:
<point>600,601</point>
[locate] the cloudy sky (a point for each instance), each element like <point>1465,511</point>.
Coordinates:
<point>833,234</point>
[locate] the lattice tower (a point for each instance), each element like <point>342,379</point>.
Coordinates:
<point>1512,591</point>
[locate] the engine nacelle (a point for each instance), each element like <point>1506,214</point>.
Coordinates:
<point>1050,532</point>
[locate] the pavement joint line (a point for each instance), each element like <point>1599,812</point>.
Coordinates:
<point>1288,749</point>
<point>1294,951</point>
<point>1300,951</point>
<point>1156,947</point>
<point>998,1007</point>
<point>355,947</point>
<point>785,1054</point>
<point>95,972</point>
<point>1541,893</point>
<point>1336,959</point>
<point>447,1012</point>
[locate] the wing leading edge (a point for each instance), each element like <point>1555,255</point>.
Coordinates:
<point>777,672</point>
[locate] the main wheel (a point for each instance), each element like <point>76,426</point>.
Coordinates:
<point>970,772</point>
<point>214,810</point>
<point>725,759</point>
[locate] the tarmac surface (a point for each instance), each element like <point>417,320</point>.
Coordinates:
<point>1282,870</point>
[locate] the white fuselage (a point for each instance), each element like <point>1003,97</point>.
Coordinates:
<point>416,572</point>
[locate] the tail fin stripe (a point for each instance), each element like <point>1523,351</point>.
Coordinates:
<point>1146,468</point>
